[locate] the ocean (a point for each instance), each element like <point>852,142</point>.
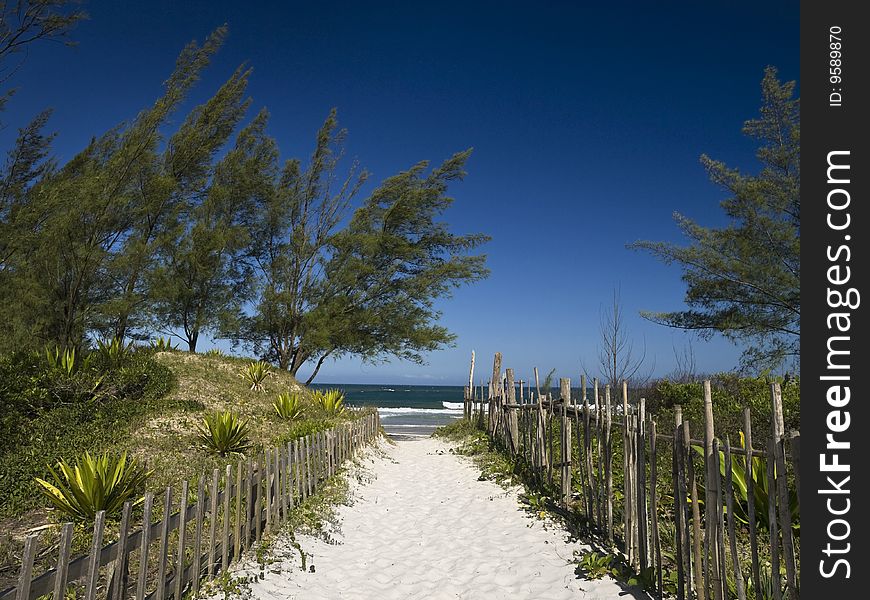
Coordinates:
<point>406,410</point>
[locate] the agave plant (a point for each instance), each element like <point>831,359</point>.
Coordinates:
<point>224,433</point>
<point>330,401</point>
<point>761,489</point>
<point>288,406</point>
<point>93,484</point>
<point>215,353</point>
<point>65,360</point>
<point>113,351</point>
<point>256,374</point>
<point>162,344</point>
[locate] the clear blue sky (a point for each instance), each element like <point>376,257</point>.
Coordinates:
<point>587,124</point>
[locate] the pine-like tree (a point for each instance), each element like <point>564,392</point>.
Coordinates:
<point>743,280</point>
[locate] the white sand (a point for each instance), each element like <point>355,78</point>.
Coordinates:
<point>423,526</point>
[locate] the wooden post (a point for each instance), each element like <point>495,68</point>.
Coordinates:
<point>143,548</point>
<point>712,490</point>
<point>640,454</point>
<point>470,394</point>
<point>700,585</point>
<point>587,447</point>
<point>732,535</point>
<point>512,427</point>
<point>788,550</point>
<point>212,523</point>
<point>63,554</point>
<point>237,546</point>
<point>249,501</point>
<point>720,520</point>
<point>627,470</point>
<point>773,530</point>
<point>608,464</point>
<point>291,465</point>
<point>750,493</point>
<point>94,561</point>
<point>599,477</point>
<point>197,534</point>
<point>182,539</point>
<point>565,393</point>
<point>494,409</point>
<point>28,555</point>
<point>653,497</point>
<point>225,537</point>
<point>164,545</point>
<point>119,577</point>
<point>680,526</point>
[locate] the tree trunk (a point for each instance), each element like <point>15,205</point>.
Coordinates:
<point>317,367</point>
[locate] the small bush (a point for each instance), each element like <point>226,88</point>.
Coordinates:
<point>215,353</point>
<point>162,344</point>
<point>256,374</point>
<point>330,401</point>
<point>113,353</point>
<point>93,484</point>
<point>288,406</point>
<point>224,433</point>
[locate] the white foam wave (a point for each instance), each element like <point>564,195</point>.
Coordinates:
<point>404,410</point>
<point>453,405</point>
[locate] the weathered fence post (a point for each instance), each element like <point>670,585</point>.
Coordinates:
<point>711,526</point>
<point>565,393</point>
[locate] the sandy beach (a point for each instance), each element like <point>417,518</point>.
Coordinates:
<point>421,525</point>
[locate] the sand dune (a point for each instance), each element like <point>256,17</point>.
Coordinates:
<point>423,526</point>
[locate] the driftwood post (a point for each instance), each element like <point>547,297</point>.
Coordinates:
<point>565,393</point>
<point>700,585</point>
<point>711,525</point>
<point>750,493</point>
<point>608,464</point>
<point>782,492</point>
<point>469,396</point>
<point>511,426</point>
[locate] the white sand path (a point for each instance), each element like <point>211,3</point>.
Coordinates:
<point>423,526</point>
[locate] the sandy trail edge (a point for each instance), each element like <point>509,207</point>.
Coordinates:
<point>422,526</point>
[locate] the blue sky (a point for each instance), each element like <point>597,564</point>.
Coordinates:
<point>586,121</point>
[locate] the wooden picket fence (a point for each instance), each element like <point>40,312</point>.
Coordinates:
<point>253,498</point>
<point>701,543</point>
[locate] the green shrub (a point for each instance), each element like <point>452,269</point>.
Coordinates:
<point>288,406</point>
<point>92,485</point>
<point>256,374</point>
<point>64,361</point>
<point>44,415</point>
<point>162,344</point>
<point>224,433</point>
<point>113,352</point>
<point>299,429</point>
<point>215,353</point>
<point>762,487</point>
<point>330,401</point>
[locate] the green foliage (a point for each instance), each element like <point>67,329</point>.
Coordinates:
<point>330,401</point>
<point>731,394</point>
<point>93,484</point>
<point>64,360</point>
<point>256,374</point>
<point>112,353</point>
<point>162,344</point>
<point>288,406</point>
<point>743,280</point>
<point>44,414</point>
<point>596,565</point>
<point>224,433</point>
<point>216,353</point>
<point>302,428</point>
<point>762,488</point>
